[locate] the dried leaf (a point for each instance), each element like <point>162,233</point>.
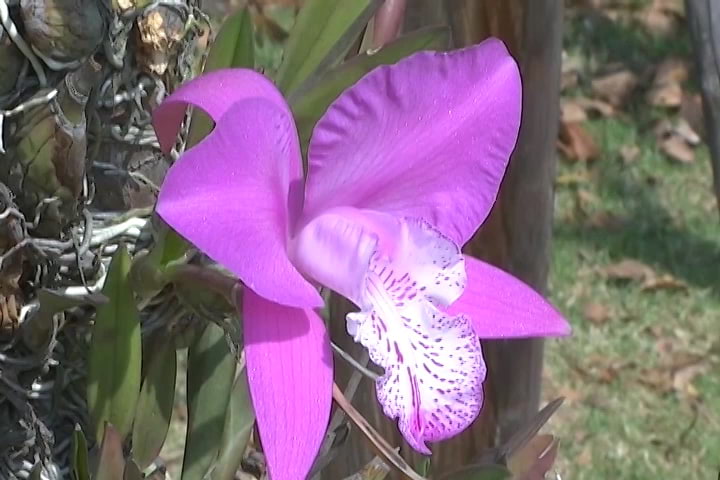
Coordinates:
<point>663,282</point>
<point>585,459</point>
<point>666,89</point>
<point>677,149</point>
<point>576,143</point>
<point>376,469</point>
<point>656,18</point>
<point>572,112</point>
<point>594,105</point>
<point>111,464</point>
<point>629,153</point>
<point>388,453</point>
<point>616,87</point>
<point>691,110</point>
<point>534,460</point>
<point>596,313</point>
<point>682,378</point>
<point>606,220</point>
<point>687,133</point>
<point>628,269</point>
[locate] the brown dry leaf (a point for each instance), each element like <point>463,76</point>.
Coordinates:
<point>658,379</point>
<point>629,269</point>
<point>570,394</point>
<point>594,105</point>
<point>666,89</point>
<point>596,313</point>
<point>585,458</point>
<point>571,111</point>
<point>569,79</point>
<point>606,220</point>
<point>576,143</point>
<point>667,95</point>
<point>659,17</point>
<point>677,149</point>
<point>379,443</point>
<point>663,282</point>
<point>687,133</point>
<point>535,459</point>
<point>691,110</point>
<point>376,469</point>
<point>616,87</point>
<point>682,378</point>
<point>629,153</point>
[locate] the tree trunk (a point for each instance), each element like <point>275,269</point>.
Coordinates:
<point>516,237</point>
<point>704,21</point>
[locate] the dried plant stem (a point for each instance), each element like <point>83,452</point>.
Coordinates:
<point>359,367</point>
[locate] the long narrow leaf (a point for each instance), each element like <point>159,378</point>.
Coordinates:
<point>233,47</point>
<point>239,424</point>
<point>114,361</point>
<point>211,369</point>
<point>323,33</point>
<point>155,404</point>
<point>79,461</point>
<point>309,105</point>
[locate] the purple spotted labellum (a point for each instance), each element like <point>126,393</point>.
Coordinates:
<point>402,169</point>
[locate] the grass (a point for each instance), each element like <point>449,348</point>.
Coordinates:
<point>616,424</point>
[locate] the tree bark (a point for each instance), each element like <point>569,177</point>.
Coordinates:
<point>515,237</point>
<point>704,21</point>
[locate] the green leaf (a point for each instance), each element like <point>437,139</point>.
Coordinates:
<point>479,472</point>
<point>239,424</point>
<point>111,463</point>
<point>149,271</point>
<point>323,33</point>
<point>155,404</point>
<point>211,369</point>
<point>80,468</point>
<point>132,471</point>
<point>423,467</point>
<point>114,361</point>
<point>308,106</point>
<point>233,47</point>
<point>51,302</point>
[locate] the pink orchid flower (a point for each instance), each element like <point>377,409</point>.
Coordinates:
<point>402,170</point>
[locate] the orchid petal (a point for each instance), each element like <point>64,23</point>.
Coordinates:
<point>501,306</point>
<point>400,272</point>
<point>429,137</point>
<point>290,375</point>
<point>214,92</point>
<point>234,194</point>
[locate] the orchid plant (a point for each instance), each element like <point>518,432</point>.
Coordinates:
<point>402,170</point>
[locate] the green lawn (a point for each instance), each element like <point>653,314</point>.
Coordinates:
<point>641,372</point>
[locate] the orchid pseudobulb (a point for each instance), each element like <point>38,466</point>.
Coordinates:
<point>403,168</point>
